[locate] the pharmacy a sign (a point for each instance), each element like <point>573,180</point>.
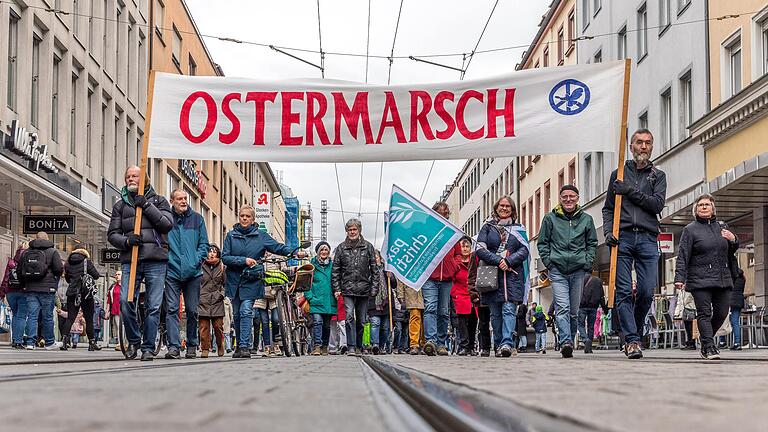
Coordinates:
<point>416,239</point>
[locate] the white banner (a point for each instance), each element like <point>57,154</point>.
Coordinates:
<point>534,111</point>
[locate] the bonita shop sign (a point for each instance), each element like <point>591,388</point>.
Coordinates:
<point>52,224</point>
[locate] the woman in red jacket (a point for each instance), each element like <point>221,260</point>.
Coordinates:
<point>463,303</point>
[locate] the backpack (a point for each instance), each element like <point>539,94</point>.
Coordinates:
<point>84,288</point>
<point>13,275</point>
<point>34,265</point>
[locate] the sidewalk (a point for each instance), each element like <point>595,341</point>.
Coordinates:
<point>668,390</point>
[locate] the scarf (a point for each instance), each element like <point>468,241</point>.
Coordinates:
<point>324,262</point>
<point>128,195</point>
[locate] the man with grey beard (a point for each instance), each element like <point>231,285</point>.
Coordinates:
<point>152,241</point>
<point>644,190</point>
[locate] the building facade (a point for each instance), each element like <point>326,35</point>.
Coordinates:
<point>542,176</point>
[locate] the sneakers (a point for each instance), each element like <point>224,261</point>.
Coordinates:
<point>192,353</point>
<point>462,352</point>
<point>735,347</point>
<point>442,351</point>
<point>543,351</point>
<point>567,350</point>
<point>324,350</point>
<point>54,346</point>
<point>131,351</point>
<point>317,351</point>
<point>147,356</point>
<point>633,351</point>
<point>375,350</point>
<point>414,351</point>
<point>430,349</point>
<point>689,346</point>
<point>485,353</point>
<point>505,351</point>
<point>343,350</point>
<point>350,351</point>
<point>588,347</point>
<point>710,353</point>
<point>172,354</point>
<point>93,347</point>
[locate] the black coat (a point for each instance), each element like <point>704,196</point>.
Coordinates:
<point>640,207</point>
<point>521,326</point>
<point>593,296</point>
<point>737,295</point>
<point>156,223</point>
<point>74,268</point>
<point>50,282</point>
<point>355,273</point>
<point>703,257</point>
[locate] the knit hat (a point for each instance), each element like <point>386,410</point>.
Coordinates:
<point>570,188</point>
<point>321,244</point>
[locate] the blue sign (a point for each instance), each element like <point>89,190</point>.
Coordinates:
<point>569,97</point>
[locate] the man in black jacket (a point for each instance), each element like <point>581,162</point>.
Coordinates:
<point>644,191</point>
<point>355,275</point>
<point>592,297</point>
<point>156,222</point>
<point>40,287</point>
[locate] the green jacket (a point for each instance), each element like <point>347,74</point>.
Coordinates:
<point>567,243</point>
<point>320,297</point>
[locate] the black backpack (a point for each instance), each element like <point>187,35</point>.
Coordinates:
<point>34,265</point>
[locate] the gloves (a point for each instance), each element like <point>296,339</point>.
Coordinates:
<point>140,201</point>
<point>622,188</point>
<point>133,239</point>
<point>611,240</point>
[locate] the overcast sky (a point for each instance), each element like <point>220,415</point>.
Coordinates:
<point>426,27</point>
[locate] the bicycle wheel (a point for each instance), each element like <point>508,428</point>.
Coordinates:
<point>301,343</point>
<point>285,324</point>
<point>122,339</point>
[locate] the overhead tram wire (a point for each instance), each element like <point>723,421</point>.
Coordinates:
<point>374,56</point>
<point>320,37</point>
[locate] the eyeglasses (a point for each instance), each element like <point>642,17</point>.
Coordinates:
<point>569,197</point>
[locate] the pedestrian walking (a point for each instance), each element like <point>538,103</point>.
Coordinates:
<point>210,308</point>
<point>437,295</point>
<point>80,272</point>
<point>322,300</point>
<point>337,344</point>
<point>356,276</point>
<point>737,304</point>
<point>503,244</point>
<point>567,246</point>
<point>414,304</point>
<point>400,330</point>
<point>10,290</point>
<point>152,241</point>
<point>243,247</point>
<point>378,309</point>
<point>39,273</point>
<point>644,191</point>
<point>521,328</point>
<point>466,323</point>
<point>99,315</point>
<point>592,297</point>
<point>228,323</point>
<point>539,322</point>
<point>481,311</point>
<point>188,241</point>
<point>113,308</point>
<point>704,268</point>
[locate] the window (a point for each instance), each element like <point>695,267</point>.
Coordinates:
<point>103,138</point>
<point>536,65</point>
<point>763,47</point>
<point>119,44</point>
<point>598,4</point>
<point>73,115</point>
<point>682,5</point>
<point>642,120</point>
<point>572,172</point>
<point>89,127</point>
<point>35,93</point>
<point>598,56</point>
<point>171,183</point>
<point>686,105</point>
<point>560,46</point>
<point>91,25</point>
<point>523,215</point>
<point>622,43</point>
<point>642,32</point>
<point>537,221</point>
<point>530,217</point>
<point>104,37</point>
<point>192,66</point>
<point>159,17</point>
<point>176,55</point>
<point>585,16</point>
<point>547,196</point>
<point>571,27</point>
<point>733,57</point>
<point>76,17</point>
<point>55,98</point>
<point>560,180</point>
<point>131,61</point>
<point>599,172</point>
<point>665,11</point>
<point>545,56</point>
<point>13,53</point>
<point>588,180</point>
<point>666,120</point>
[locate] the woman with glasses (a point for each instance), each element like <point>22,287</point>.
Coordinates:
<point>704,268</point>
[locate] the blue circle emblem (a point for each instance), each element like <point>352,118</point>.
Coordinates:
<point>569,97</point>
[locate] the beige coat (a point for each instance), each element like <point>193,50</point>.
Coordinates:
<point>412,298</point>
<point>227,315</point>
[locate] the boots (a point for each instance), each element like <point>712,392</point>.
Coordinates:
<point>64,343</point>
<point>588,347</point>
<point>93,347</point>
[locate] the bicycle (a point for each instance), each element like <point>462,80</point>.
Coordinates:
<point>140,312</point>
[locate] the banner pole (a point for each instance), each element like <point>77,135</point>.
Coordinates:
<point>142,184</point>
<point>391,325</point>
<point>619,176</point>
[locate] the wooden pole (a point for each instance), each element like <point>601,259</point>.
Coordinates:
<point>142,184</point>
<point>391,325</point>
<point>619,176</point>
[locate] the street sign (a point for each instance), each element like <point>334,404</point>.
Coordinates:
<point>52,224</point>
<point>109,256</point>
<point>666,243</point>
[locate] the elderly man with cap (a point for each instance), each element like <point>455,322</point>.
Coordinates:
<point>322,299</point>
<point>355,275</point>
<point>567,245</point>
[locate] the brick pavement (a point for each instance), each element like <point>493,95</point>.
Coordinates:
<point>666,391</point>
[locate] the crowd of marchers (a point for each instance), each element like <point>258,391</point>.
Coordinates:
<point>475,302</point>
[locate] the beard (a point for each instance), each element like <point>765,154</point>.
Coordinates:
<point>642,158</point>
<point>132,187</point>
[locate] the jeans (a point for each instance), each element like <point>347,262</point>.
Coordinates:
<point>243,318</point>
<point>356,309</point>
<point>18,303</point>
<point>641,251</point>
<point>380,330</point>
<point>437,310</point>
<point>37,304</point>
<point>522,341</point>
<point>153,273</point>
<point>736,325</point>
<point>400,335</point>
<point>321,328</point>
<point>541,341</point>
<point>191,290</point>
<point>711,312</point>
<point>589,315</point>
<point>503,320</point>
<point>566,290</point>
<point>261,321</point>
<point>338,337</point>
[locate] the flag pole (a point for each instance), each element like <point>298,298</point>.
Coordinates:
<point>391,325</point>
<point>619,176</point>
<point>142,184</point>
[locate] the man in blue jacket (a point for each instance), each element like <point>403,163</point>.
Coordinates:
<point>188,247</point>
